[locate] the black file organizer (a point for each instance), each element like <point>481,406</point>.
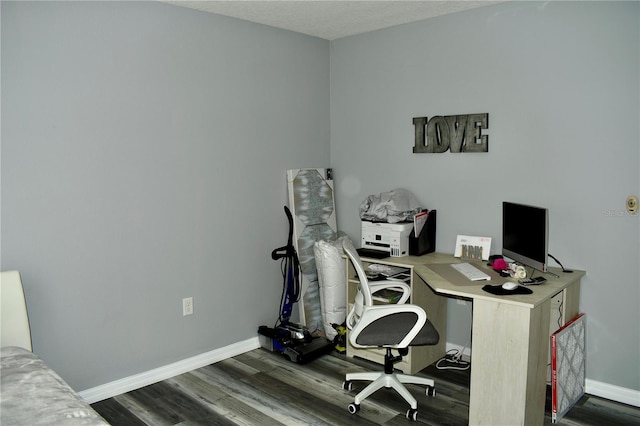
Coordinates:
<point>426,241</point>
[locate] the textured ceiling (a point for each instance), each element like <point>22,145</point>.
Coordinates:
<point>331,20</point>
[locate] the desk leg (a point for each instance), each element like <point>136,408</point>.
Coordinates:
<point>510,347</point>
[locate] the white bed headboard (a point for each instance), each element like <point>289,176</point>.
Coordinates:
<point>14,320</point>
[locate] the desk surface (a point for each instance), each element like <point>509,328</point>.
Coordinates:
<point>473,290</point>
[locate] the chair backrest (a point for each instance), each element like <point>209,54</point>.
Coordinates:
<point>14,328</point>
<point>363,298</point>
<point>396,324</point>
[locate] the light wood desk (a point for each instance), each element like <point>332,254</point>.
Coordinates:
<point>510,337</point>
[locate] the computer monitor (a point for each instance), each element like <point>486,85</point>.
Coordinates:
<point>525,234</point>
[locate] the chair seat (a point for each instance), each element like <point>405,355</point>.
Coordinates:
<point>390,330</point>
<point>428,336</point>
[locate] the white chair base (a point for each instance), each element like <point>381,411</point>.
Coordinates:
<point>385,380</point>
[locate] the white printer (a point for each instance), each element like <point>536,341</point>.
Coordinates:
<point>392,238</point>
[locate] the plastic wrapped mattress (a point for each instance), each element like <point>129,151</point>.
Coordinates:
<point>331,267</point>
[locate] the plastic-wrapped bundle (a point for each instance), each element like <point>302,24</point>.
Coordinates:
<point>331,268</point>
<point>398,205</point>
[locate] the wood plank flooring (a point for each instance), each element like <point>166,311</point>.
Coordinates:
<point>263,388</point>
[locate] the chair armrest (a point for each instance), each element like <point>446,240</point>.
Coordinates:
<point>354,313</point>
<point>393,285</point>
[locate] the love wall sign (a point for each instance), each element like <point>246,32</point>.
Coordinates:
<point>459,133</point>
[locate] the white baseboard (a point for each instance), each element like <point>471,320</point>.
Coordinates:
<point>612,392</point>
<point>137,381</point>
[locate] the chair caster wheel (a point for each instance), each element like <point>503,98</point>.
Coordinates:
<point>412,414</point>
<point>347,386</point>
<point>431,391</point>
<point>353,408</point>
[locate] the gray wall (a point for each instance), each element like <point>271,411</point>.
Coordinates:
<point>144,150</point>
<point>560,83</point>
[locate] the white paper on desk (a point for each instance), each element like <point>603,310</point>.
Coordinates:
<point>472,248</point>
<point>418,222</point>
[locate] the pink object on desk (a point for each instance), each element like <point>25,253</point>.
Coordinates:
<point>499,265</point>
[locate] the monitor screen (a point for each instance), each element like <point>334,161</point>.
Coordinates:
<point>525,234</point>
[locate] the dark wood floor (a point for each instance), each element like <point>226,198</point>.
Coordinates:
<point>263,388</point>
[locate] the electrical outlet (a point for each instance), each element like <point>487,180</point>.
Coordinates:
<point>187,306</point>
<point>632,204</point>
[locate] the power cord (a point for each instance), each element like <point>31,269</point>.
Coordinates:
<point>568,271</point>
<point>452,361</point>
<point>560,320</point>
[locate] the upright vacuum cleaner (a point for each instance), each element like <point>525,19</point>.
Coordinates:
<point>292,340</point>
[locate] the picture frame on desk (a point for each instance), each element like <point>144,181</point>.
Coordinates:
<point>472,248</point>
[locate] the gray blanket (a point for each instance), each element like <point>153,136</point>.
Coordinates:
<point>33,394</point>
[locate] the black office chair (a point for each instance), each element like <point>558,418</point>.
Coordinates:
<point>390,326</point>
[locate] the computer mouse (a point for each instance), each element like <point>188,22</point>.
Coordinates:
<point>509,285</point>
